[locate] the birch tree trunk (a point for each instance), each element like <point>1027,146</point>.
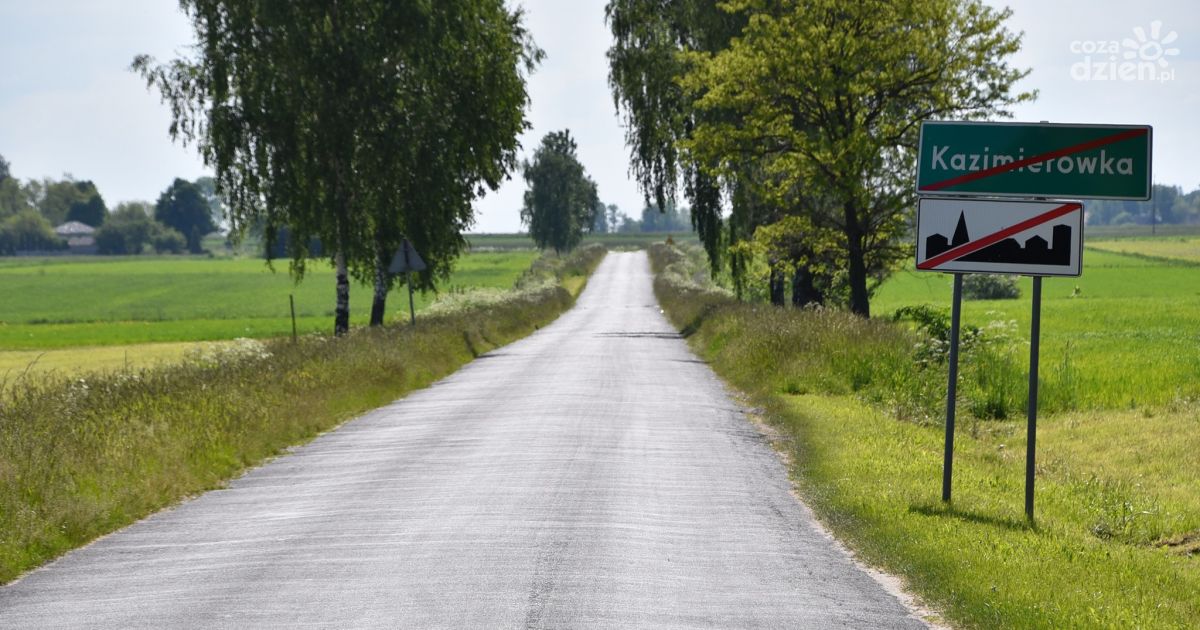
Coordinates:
<point>341,317</point>
<point>382,285</point>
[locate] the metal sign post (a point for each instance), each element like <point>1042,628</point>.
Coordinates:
<point>1035,333</point>
<point>952,387</point>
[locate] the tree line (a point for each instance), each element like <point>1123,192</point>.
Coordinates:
<point>31,210</point>
<point>1167,204</point>
<point>790,126</point>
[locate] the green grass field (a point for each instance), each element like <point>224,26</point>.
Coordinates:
<point>66,302</point>
<point>1124,334</point>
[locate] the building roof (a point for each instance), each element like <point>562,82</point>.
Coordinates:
<point>74,228</point>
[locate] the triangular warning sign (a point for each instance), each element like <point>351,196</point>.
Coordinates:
<point>406,259</point>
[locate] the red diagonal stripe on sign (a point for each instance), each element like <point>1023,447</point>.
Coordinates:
<point>976,245</point>
<point>1049,155</point>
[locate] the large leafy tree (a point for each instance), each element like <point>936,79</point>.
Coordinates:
<point>456,96</point>
<point>182,207</point>
<point>316,116</point>
<point>561,202</point>
<point>645,66</point>
<point>825,98</point>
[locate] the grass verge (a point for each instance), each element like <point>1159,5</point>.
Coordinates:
<point>83,456</point>
<point>1115,542</point>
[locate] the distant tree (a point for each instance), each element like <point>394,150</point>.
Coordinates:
<point>89,207</point>
<point>613,217</point>
<point>207,187</point>
<point>55,199</point>
<point>629,225</point>
<point>673,220</point>
<point>561,201</point>
<point>167,240</point>
<point>28,230</point>
<point>182,207</point>
<point>13,197</point>
<point>600,224</point>
<point>127,230</point>
<point>4,169</point>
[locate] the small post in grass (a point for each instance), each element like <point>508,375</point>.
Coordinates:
<point>412,312</point>
<point>292,302</point>
<point>952,386</point>
<point>1035,330</point>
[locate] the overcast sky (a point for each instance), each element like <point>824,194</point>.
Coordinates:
<point>68,103</point>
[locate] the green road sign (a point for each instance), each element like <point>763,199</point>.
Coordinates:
<point>1034,160</point>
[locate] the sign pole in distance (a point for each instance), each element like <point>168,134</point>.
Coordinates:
<point>952,388</point>
<point>1035,333</point>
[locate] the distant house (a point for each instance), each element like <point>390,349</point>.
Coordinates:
<point>80,237</point>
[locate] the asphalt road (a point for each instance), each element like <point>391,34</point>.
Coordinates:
<point>593,475</point>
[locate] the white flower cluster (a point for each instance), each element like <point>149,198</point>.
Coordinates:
<point>227,353</point>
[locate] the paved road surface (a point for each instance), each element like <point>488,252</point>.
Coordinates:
<point>593,475</point>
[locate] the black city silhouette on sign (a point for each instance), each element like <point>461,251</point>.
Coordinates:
<point>1035,251</point>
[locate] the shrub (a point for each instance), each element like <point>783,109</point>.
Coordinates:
<point>990,286</point>
<point>167,240</point>
<point>28,231</point>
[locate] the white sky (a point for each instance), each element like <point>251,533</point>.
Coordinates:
<point>68,104</point>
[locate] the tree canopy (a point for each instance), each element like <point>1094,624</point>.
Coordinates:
<point>332,118</point>
<point>183,208</point>
<point>801,108</point>
<point>561,202</point>
<point>827,99</point>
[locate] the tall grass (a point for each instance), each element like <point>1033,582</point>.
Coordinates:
<point>82,456</point>
<point>828,351</point>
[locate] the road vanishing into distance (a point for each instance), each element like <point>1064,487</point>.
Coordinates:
<point>593,475</point>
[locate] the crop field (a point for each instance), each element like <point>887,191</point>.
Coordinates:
<point>71,314</point>
<point>1177,248</point>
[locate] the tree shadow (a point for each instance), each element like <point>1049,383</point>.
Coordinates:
<point>952,511</point>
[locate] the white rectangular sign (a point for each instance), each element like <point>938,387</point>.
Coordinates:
<point>1031,238</point>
